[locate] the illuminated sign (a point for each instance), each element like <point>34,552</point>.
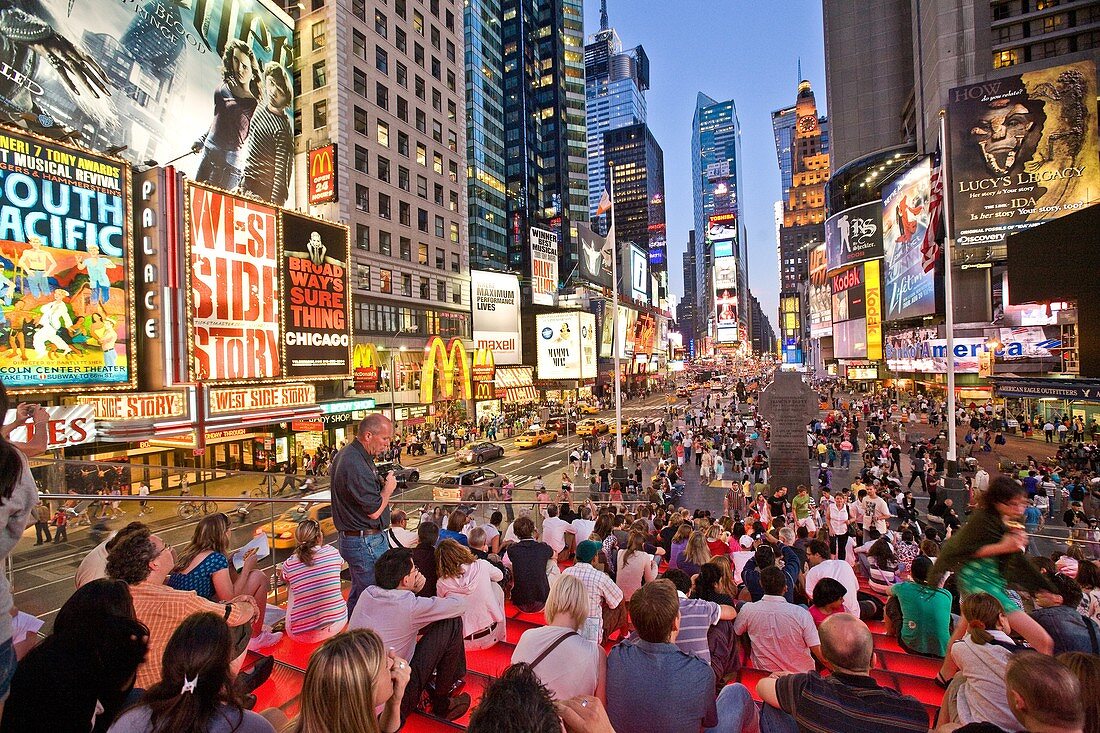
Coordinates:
<point>544,267</point>
<point>248,399</point>
<point>725,300</point>
<point>566,345</point>
<point>496,315</point>
<point>595,261</point>
<point>821,322</point>
<point>908,290</point>
<point>854,235</point>
<point>328,408</point>
<point>233,279</point>
<point>68,426</point>
<point>139,406</point>
<point>639,274</point>
<point>872,288</point>
<point>323,182</point>
<point>453,371</point>
<point>484,371</point>
<point>66,295</point>
<point>366,368</point>
<point>861,373</point>
<point>307,426</point>
<point>722,226</point>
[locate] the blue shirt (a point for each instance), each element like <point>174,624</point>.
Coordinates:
<point>446,534</point>
<point>660,688</point>
<point>1032,515</point>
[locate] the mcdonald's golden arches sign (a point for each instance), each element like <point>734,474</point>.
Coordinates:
<point>365,367</point>
<point>322,174</point>
<point>453,366</point>
<point>484,372</point>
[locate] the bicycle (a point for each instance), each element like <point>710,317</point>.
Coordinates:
<point>189,509</point>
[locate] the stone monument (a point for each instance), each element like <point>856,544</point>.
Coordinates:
<point>789,405</point>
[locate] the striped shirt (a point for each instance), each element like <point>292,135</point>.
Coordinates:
<point>270,150</point>
<point>318,601</point>
<point>851,703</point>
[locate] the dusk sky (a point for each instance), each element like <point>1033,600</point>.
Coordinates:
<point>728,49</point>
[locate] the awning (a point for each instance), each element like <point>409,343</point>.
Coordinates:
<point>1073,390</point>
<point>510,377</point>
<point>521,394</point>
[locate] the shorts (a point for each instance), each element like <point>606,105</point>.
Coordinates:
<point>983,576</point>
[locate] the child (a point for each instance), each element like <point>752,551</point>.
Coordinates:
<point>828,599</point>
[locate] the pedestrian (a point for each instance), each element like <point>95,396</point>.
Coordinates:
<point>360,501</point>
<point>143,502</point>
<point>42,523</point>
<point>60,523</point>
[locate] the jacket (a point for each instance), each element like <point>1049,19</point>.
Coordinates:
<point>484,606</point>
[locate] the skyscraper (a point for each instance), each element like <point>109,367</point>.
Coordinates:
<point>783,122</point>
<point>638,165</point>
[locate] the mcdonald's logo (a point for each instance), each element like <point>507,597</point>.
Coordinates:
<point>366,367</point>
<point>484,371</point>
<point>448,358</point>
<point>322,174</point>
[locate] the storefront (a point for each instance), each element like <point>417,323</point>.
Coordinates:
<point>1049,399</point>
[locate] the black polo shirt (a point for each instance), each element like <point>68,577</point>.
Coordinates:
<point>356,490</point>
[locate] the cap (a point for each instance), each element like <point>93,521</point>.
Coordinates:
<point>587,550</point>
<point>745,541</point>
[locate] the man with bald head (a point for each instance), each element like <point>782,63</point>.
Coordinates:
<point>360,501</point>
<point>848,699</point>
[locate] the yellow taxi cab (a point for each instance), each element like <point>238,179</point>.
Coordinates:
<point>318,507</point>
<point>534,437</point>
<point>590,427</point>
<point>585,408</point>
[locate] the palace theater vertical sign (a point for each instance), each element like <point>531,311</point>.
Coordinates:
<point>233,301</point>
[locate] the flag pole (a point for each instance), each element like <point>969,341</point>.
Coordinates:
<point>948,301</point>
<point>620,469</point>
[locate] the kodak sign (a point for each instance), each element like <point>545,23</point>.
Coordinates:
<point>322,174</point>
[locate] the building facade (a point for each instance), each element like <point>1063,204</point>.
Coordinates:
<point>637,165</point>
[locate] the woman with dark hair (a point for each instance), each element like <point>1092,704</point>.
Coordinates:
<point>423,556</point>
<point>18,497</point>
<point>708,585</point>
<point>988,551</point>
<point>196,693</point>
<point>89,660</point>
<point>828,598</point>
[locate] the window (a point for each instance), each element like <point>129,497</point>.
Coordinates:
<point>402,75</point>
<point>359,44</point>
<point>403,143</point>
<point>441,290</point>
<point>450,51</point>
<point>380,22</point>
<point>454,232</point>
<point>400,40</point>
<point>456,297</point>
<point>422,155</point>
<point>452,111</point>
<point>1005,58</point>
<point>422,187</point>
<point>406,284</point>
<point>439,227</point>
<point>361,159</point>
<point>381,60</point>
<point>399,8</point>
<point>451,80</point>
<point>363,274</point>
<point>383,133</point>
<point>318,74</point>
<point>450,22</point>
<point>425,288</point>
<point>419,88</point>
<point>437,163</point>
<point>320,114</point>
<point>418,54</point>
<point>359,7</point>
<point>434,5</point>
<point>362,197</point>
<point>418,22</point>
<point>359,82</point>
<point>317,34</point>
<point>360,121</point>
<point>362,236</point>
<point>439,258</point>
<point>404,213</point>
<point>422,220</point>
<point>437,132</point>
<point>403,178</point>
<point>434,35</point>
<point>381,95</point>
<point>437,100</point>
<point>402,109</point>
<point>437,69</point>
<point>421,121</point>
<point>438,195</point>
<point>406,249</point>
<point>385,281</point>
<point>383,169</point>
<point>452,141</point>
<point>456,262</point>
<point>454,201</point>
<point>384,243</point>
<point>422,254</point>
<point>453,171</point>
<point>383,205</point>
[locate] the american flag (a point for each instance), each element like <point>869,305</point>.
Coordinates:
<point>930,248</point>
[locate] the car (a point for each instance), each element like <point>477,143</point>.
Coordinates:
<point>473,482</point>
<point>560,425</point>
<point>317,506</point>
<point>683,392</point>
<point>404,475</point>
<point>590,427</point>
<point>479,453</point>
<point>534,437</point>
<point>585,408</point>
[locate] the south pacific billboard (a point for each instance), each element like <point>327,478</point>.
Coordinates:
<point>66,301</point>
<point>205,85</point>
<point>908,291</point>
<point>1023,150</point>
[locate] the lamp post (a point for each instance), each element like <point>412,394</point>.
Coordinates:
<point>393,396</point>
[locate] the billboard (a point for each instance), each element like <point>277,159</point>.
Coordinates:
<point>1023,150</point>
<point>624,337</point>
<point>566,345</point>
<point>853,235</point>
<point>496,315</point>
<point>594,264</point>
<point>821,321</point>
<point>722,226</point>
<point>910,292</point>
<point>317,297</point>
<point>639,274</point>
<point>924,350</point>
<point>725,298</point>
<point>232,281</point>
<point>66,254</point>
<point>857,312</point>
<point>544,267</point>
<point>323,184</point>
<point>206,85</point>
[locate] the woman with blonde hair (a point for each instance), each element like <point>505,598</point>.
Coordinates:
<point>727,583</point>
<point>696,554</point>
<point>204,567</point>
<point>315,608</point>
<point>1086,668</point>
<point>565,662</point>
<point>354,669</point>
<point>463,574</point>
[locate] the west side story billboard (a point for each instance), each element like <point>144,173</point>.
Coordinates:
<point>204,84</point>
<point>66,296</point>
<point>1023,150</point>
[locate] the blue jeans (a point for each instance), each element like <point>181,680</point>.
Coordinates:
<point>7,668</point>
<point>361,553</point>
<point>737,712</point>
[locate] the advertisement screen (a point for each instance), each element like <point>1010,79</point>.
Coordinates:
<point>725,298</point>
<point>1023,150</point>
<point>206,85</point>
<point>645,334</point>
<point>566,345</point>
<point>639,274</point>
<point>595,263</point>
<point>821,323</point>
<point>544,267</point>
<point>853,235</point>
<point>924,350</point>
<point>496,315</point>
<point>65,253</point>
<point>317,300</point>
<point>909,291</point>
<point>233,282</point>
<point>722,226</point>
<point>323,182</point>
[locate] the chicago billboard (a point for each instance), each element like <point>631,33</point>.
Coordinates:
<point>206,85</point>
<point>853,235</point>
<point>910,292</point>
<point>566,345</point>
<point>544,267</point>
<point>821,321</point>
<point>317,300</point>
<point>1023,150</point>
<point>66,295</point>
<point>496,315</point>
<point>233,275</point>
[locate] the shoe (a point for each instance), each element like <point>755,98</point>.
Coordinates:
<point>253,678</point>
<point>452,708</point>
<point>264,639</point>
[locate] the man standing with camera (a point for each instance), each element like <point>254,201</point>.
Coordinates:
<point>360,501</point>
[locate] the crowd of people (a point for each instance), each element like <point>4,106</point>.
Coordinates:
<point>652,610</point>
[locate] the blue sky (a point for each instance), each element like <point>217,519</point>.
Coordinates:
<point>743,50</point>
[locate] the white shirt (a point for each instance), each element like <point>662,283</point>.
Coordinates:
<point>837,517</point>
<point>571,669</point>
<point>553,532</point>
<point>582,528</point>
<point>872,510</point>
<point>841,572</point>
<point>782,634</point>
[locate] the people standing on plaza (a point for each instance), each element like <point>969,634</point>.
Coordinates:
<point>360,501</point>
<point>42,523</point>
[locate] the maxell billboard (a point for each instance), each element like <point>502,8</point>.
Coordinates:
<point>496,315</point>
<point>1023,150</point>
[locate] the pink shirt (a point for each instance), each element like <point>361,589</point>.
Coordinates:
<point>483,607</point>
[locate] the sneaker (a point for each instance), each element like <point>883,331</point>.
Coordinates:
<point>264,639</point>
<point>248,681</point>
<point>452,708</point>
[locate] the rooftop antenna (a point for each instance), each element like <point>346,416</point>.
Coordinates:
<point>799,69</point>
<point>603,15</point>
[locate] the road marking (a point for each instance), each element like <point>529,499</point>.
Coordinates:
<point>551,464</point>
<point>512,463</point>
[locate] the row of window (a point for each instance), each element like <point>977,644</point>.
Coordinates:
<point>1046,50</point>
<point>386,320</point>
<point>404,251</point>
<point>395,282</point>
